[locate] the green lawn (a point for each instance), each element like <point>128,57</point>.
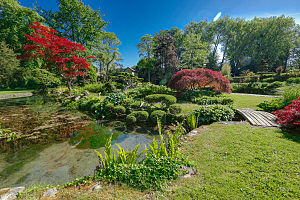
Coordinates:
<point>240,101</point>
<point>240,162</point>
<point>247,101</point>
<point>6,92</point>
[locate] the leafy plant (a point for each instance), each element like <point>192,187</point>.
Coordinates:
<point>214,113</point>
<point>8,135</point>
<point>192,121</point>
<point>212,100</point>
<point>120,156</point>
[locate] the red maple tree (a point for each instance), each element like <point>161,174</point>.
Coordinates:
<point>57,52</point>
<point>190,79</point>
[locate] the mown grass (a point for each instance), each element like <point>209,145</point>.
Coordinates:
<point>6,91</point>
<point>240,162</point>
<point>247,101</point>
<point>232,162</point>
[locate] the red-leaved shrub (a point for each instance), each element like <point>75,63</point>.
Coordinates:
<point>190,79</point>
<point>289,116</point>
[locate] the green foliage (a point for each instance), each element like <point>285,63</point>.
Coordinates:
<point>95,88</point>
<point>212,100</point>
<point>293,80</point>
<point>112,158</point>
<point>192,121</point>
<point>119,110</point>
<point>226,70</point>
<point>152,173</point>
<point>191,94</point>
<point>86,104</point>
<point>213,113</point>
<point>166,100</point>
<point>14,23</point>
<point>42,79</point>
<point>116,98</point>
<point>273,105</point>
<point>175,109</point>
<point>158,114</point>
<point>130,120</point>
<point>256,87</point>
<point>140,115</point>
<point>195,51</point>
<point>148,89</point>
<point>81,24</point>
<point>8,135</point>
<point>126,79</point>
<point>8,64</point>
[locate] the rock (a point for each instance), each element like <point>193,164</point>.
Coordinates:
<point>50,192</point>
<point>190,172</point>
<point>96,187</point>
<point>77,98</point>
<point>10,193</point>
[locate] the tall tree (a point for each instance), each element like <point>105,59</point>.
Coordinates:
<point>165,52</point>
<point>194,51</point>
<point>107,54</point>
<point>14,21</point>
<point>76,22</point>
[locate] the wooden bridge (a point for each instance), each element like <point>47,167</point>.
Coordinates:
<point>258,118</point>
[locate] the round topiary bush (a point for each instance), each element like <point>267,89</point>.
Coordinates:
<point>119,110</point>
<point>175,109</point>
<point>109,107</point>
<point>130,119</point>
<point>165,99</point>
<point>158,114</point>
<point>140,115</point>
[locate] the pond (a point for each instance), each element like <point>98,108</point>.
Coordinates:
<point>56,145</point>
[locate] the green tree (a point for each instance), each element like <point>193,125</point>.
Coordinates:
<point>14,21</point>
<point>107,54</point>
<point>76,22</point>
<point>194,51</point>
<point>8,64</point>
<point>146,69</point>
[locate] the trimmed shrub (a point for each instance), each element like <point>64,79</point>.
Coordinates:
<point>116,98</point>
<point>293,80</point>
<point>175,109</point>
<point>94,88</point>
<point>256,88</point>
<point>167,100</point>
<point>158,114</point>
<point>213,113</point>
<point>191,94</point>
<point>109,107</point>
<point>273,105</point>
<point>119,110</point>
<point>140,115</point>
<point>142,92</point>
<point>130,119</point>
<point>86,103</point>
<point>212,100</point>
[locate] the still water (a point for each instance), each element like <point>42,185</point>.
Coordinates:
<point>61,145</point>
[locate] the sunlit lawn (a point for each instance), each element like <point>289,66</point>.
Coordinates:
<point>6,92</point>
<point>247,101</point>
<point>240,162</point>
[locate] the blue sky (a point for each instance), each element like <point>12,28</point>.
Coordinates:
<point>131,19</point>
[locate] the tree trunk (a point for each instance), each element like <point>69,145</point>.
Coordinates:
<point>69,84</point>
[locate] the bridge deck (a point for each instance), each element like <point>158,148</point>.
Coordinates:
<point>258,118</point>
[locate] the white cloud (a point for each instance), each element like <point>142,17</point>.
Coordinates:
<point>217,16</point>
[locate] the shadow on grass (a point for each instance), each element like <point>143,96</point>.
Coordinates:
<point>293,135</point>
